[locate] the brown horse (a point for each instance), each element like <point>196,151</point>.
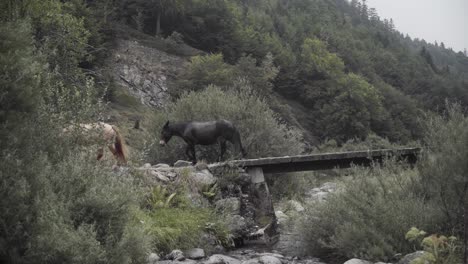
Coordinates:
<point>106,135</point>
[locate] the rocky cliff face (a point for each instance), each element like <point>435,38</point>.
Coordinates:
<point>144,71</point>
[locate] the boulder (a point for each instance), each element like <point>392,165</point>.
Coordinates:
<point>182,163</point>
<point>159,176</point>
<point>175,255</point>
<point>195,253</point>
<point>153,258</point>
<point>161,166</point>
<point>263,260</point>
<point>236,225</point>
<point>357,261</point>
<point>410,257</point>
<point>204,177</point>
<point>230,206</point>
<point>221,259</point>
<point>281,217</point>
<point>319,197</point>
<point>276,255</point>
<point>185,261</point>
<point>201,166</point>
<point>296,206</point>
<point>328,187</point>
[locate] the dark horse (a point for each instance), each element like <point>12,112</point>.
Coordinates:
<point>203,133</point>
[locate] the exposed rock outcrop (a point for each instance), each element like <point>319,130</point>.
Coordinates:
<point>144,71</point>
<point>246,207</point>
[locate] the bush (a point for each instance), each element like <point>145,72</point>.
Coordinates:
<point>438,249</point>
<point>212,70</point>
<point>444,167</point>
<point>262,133</point>
<point>181,228</point>
<point>369,215</point>
<point>72,210</point>
<point>58,204</point>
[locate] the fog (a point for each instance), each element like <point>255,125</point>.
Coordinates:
<point>433,20</point>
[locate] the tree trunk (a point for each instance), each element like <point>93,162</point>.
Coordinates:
<point>158,24</point>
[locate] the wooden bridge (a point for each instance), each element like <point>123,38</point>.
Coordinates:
<point>260,194</point>
<point>326,161</point>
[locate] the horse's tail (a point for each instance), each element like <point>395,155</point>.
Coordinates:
<point>238,143</point>
<point>120,148</point>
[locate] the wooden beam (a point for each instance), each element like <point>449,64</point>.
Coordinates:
<point>325,161</point>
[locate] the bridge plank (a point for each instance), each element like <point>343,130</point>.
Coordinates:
<point>324,161</point>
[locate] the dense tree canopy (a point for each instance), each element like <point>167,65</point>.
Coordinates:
<point>315,45</point>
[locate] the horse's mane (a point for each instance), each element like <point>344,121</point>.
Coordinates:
<point>120,148</point>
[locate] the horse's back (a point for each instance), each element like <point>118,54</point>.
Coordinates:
<point>208,132</point>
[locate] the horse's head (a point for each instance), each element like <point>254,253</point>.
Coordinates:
<point>166,134</point>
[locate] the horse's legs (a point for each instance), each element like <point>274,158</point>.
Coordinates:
<point>222,144</point>
<point>190,152</point>
<point>100,153</point>
<point>194,158</point>
<point>187,152</point>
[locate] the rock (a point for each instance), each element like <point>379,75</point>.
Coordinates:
<point>161,166</point>
<point>357,261</point>
<point>313,191</point>
<point>296,206</point>
<point>328,187</point>
<point>263,260</point>
<point>230,206</point>
<point>185,261</point>
<point>281,217</point>
<point>201,166</point>
<point>222,259</point>
<point>218,249</point>
<point>204,177</point>
<point>410,257</point>
<point>175,255</point>
<point>146,166</point>
<point>313,261</point>
<point>320,196</point>
<point>153,258</point>
<point>159,176</point>
<point>236,225</point>
<point>195,253</point>
<point>182,163</point>
<point>276,255</point>
<point>171,175</point>
<point>144,71</point>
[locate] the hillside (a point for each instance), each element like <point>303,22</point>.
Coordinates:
<point>293,76</point>
<point>351,73</point>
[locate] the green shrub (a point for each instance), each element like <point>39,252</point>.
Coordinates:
<point>367,217</point>
<point>444,166</point>
<point>58,204</point>
<point>212,70</point>
<point>21,73</point>
<point>438,249</point>
<point>181,228</point>
<point>72,210</point>
<point>262,133</point>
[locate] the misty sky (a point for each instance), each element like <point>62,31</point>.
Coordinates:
<point>433,20</point>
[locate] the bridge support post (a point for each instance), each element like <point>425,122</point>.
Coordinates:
<point>264,212</point>
<point>256,175</point>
